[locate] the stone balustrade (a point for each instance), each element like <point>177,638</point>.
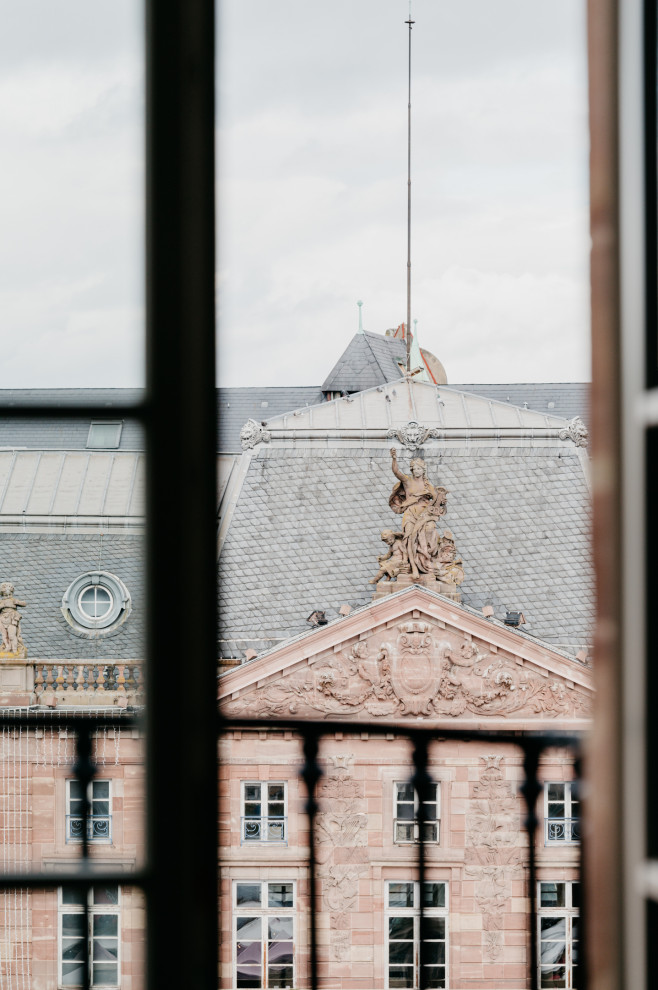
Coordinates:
<point>81,680</point>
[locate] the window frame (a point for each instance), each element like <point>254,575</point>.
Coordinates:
<point>107,909</point>
<point>263,912</point>
<point>265,840</point>
<point>570,913</point>
<point>96,839</point>
<point>117,423</point>
<point>414,912</point>
<point>405,821</point>
<point>571,823</point>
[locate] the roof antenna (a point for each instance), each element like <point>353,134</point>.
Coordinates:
<point>360,304</point>
<point>409,22</point>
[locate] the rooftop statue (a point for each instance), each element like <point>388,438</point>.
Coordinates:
<point>10,622</point>
<point>419,549</point>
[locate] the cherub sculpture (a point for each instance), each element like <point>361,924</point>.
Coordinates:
<point>10,619</point>
<point>394,560</point>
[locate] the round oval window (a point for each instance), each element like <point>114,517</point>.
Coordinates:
<point>95,601</point>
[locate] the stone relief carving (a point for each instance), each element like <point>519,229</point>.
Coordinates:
<point>412,434</point>
<point>13,646</point>
<point>341,833</point>
<point>419,548</point>
<point>253,433</point>
<point>576,431</point>
<point>493,853</point>
<point>415,669</point>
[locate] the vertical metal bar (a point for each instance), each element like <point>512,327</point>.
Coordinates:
<point>84,771</point>
<point>311,774</point>
<point>581,972</point>
<point>531,791</point>
<point>421,781</point>
<point>181,485</point>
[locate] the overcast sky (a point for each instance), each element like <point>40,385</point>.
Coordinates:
<point>312,163</point>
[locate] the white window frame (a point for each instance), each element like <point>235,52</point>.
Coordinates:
<point>265,913</point>
<point>570,913</point>
<point>400,823</point>
<point>393,911</point>
<point>94,909</point>
<point>115,443</point>
<point>272,830</point>
<point>564,829</point>
<point>99,838</point>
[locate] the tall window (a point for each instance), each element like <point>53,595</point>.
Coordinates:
<point>558,934</point>
<point>404,935</point>
<point>263,812</point>
<point>264,934</point>
<point>405,813</point>
<point>101,939</point>
<point>99,823</point>
<point>562,817</point>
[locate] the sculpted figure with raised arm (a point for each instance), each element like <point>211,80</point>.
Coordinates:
<point>420,545</point>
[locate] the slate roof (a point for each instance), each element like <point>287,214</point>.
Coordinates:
<point>566,399</point>
<point>237,405</point>
<point>41,567</point>
<point>305,535</point>
<point>370,359</point>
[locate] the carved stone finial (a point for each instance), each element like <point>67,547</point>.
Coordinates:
<point>12,646</point>
<point>419,550</point>
<point>412,434</point>
<point>253,433</point>
<point>576,431</point>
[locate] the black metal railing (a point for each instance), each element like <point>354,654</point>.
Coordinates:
<point>532,745</point>
<point>99,827</point>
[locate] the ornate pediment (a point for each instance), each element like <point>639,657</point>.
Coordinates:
<point>419,667</point>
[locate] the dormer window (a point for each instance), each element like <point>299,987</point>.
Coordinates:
<point>104,435</point>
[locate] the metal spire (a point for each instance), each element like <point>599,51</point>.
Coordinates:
<point>360,304</point>
<point>410,23</point>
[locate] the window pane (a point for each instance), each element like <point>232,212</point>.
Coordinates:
<point>248,894</point>
<point>280,895</point>
<point>252,792</point>
<point>553,928</point>
<point>106,924</point>
<point>71,974</point>
<point>552,895</point>
<point>275,792</point>
<point>436,976</point>
<point>556,792</point>
<point>575,894</point>
<point>280,928</point>
<point>401,894</point>
<point>434,928</point>
<point>553,978</point>
<point>73,895</point>
<point>401,976</point>
<point>73,924</point>
<point>279,976</point>
<point>405,792</point>
<point>73,948</point>
<point>435,952</point>
<point>404,833</point>
<point>400,927</point>
<point>401,952</point>
<point>106,948</point>
<point>248,976</point>
<point>106,895</point>
<point>101,789</point>
<point>434,895</point>
<point>105,975</point>
<point>280,952</point>
<point>248,953</point>
<point>406,812</point>
<point>249,928</point>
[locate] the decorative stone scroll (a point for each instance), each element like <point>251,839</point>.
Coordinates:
<point>575,431</point>
<point>253,433</point>
<point>419,548</point>
<point>415,670</point>
<point>12,647</point>
<point>493,854</point>
<point>412,434</point>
